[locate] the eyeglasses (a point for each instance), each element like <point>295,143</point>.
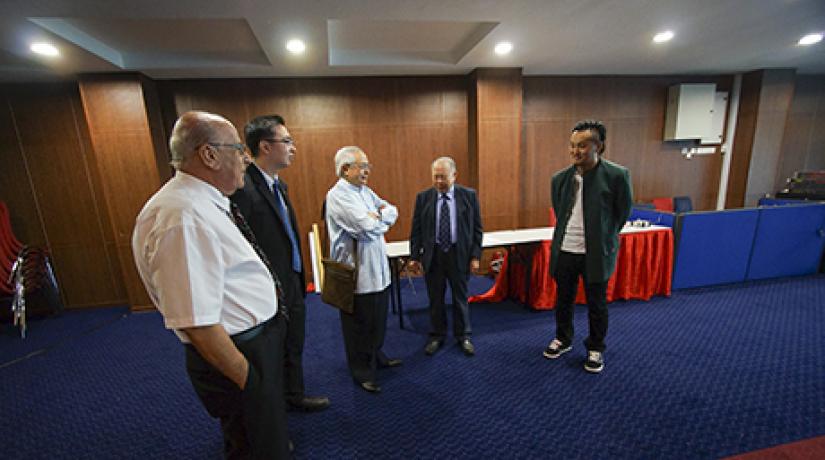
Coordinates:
<point>286,140</point>
<point>362,165</point>
<point>240,148</point>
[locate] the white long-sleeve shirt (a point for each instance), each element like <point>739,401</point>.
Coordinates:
<point>348,218</point>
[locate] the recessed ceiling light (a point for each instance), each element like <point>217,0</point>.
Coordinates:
<point>662,37</point>
<point>295,46</point>
<point>810,39</point>
<point>46,49</point>
<point>503,48</point>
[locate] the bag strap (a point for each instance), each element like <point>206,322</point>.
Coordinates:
<point>328,238</point>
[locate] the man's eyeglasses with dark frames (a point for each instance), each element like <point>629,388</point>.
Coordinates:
<point>285,140</point>
<point>240,148</point>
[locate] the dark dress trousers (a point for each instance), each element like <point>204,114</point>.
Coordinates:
<point>258,204</point>
<point>452,265</point>
<point>253,420</point>
<point>607,198</point>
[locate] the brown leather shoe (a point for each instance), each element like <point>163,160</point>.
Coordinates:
<point>371,387</point>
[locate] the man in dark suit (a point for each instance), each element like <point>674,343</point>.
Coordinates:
<point>265,203</point>
<point>592,200</point>
<point>446,240</point>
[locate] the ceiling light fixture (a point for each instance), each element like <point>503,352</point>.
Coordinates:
<point>295,46</point>
<point>810,39</point>
<point>503,48</point>
<point>663,37</point>
<point>45,49</point>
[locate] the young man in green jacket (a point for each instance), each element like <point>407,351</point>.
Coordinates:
<point>592,200</point>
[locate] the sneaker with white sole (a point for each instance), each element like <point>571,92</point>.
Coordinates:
<point>556,349</point>
<point>595,361</point>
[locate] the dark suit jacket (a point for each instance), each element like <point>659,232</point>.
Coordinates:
<point>607,199</point>
<point>468,227</point>
<point>257,203</point>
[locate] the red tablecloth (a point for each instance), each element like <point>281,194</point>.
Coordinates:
<point>644,268</point>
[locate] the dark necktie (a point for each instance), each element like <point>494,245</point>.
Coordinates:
<point>240,221</point>
<point>284,213</point>
<point>444,234</point>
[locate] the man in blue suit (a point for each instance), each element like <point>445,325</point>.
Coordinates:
<point>446,240</point>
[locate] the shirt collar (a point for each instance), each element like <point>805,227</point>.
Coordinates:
<point>270,180</point>
<point>201,186</point>
<point>450,193</point>
<point>349,186</point>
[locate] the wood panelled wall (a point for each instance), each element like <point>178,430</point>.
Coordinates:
<point>75,168</point>
<point>124,149</point>
<point>803,142</point>
<point>633,110</point>
<point>495,115</point>
<point>402,124</point>
<point>54,192</point>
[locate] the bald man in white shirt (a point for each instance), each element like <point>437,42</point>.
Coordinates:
<point>213,289</point>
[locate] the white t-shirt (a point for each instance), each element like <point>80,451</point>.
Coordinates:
<point>196,265</point>
<point>574,234</point>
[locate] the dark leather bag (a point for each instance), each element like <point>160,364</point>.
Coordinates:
<point>340,280</point>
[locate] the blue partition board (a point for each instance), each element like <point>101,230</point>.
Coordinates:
<point>714,247</point>
<point>783,201</point>
<point>789,241</point>
<point>653,216</point>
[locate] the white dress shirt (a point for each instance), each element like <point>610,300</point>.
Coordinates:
<point>196,265</point>
<point>348,208</point>
<point>574,235</point>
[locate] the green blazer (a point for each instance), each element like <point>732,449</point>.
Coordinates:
<point>607,200</point>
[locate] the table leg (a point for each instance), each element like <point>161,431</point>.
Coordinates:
<point>398,294</point>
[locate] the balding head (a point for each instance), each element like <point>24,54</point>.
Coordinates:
<point>207,146</point>
<point>192,130</point>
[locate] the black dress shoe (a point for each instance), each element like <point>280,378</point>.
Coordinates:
<point>392,362</point>
<point>467,347</point>
<point>432,347</point>
<point>309,403</point>
<point>372,387</point>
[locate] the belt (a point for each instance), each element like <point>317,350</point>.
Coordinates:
<point>251,333</point>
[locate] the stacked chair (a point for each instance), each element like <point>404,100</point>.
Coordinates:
<point>25,273</point>
<point>806,185</point>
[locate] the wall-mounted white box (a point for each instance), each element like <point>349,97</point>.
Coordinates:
<point>690,111</point>
<point>720,112</point>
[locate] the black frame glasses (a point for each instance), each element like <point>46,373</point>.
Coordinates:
<point>285,140</point>
<point>238,147</point>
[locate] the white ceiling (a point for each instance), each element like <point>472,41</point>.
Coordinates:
<point>245,38</point>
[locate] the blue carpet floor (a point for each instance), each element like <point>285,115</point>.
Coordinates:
<point>703,374</point>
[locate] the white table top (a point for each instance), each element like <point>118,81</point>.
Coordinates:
<point>508,237</point>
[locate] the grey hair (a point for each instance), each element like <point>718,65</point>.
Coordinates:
<point>345,156</point>
<point>450,162</point>
<point>191,130</point>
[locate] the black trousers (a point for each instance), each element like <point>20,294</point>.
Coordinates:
<point>570,268</point>
<point>253,420</point>
<point>444,267</point>
<point>364,332</point>
<point>295,334</point>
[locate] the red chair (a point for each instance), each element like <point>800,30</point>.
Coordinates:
<point>552,217</point>
<point>663,204</point>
